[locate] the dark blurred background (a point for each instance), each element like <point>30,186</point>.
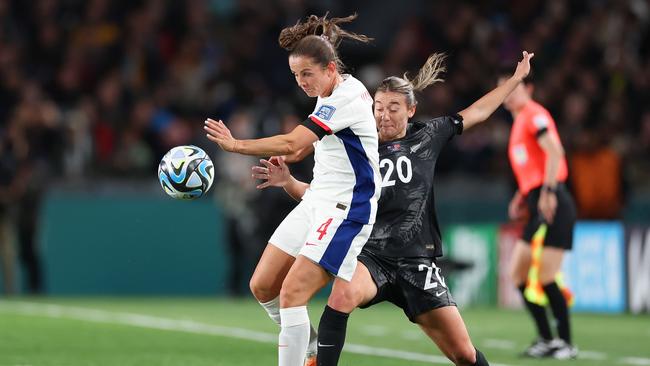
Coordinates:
<point>93,93</point>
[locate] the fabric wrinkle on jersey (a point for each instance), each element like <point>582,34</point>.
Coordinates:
<point>406,224</point>
<point>346,161</point>
<point>527,158</point>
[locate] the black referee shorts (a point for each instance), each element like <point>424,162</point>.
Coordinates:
<point>413,284</point>
<point>560,232</point>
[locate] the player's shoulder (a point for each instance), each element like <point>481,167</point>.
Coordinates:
<point>535,109</point>
<point>350,89</point>
<point>538,115</point>
<point>437,124</point>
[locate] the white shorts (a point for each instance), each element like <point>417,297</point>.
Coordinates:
<point>324,236</point>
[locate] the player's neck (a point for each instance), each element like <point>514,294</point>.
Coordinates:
<point>335,82</point>
<point>399,136</point>
<point>515,111</point>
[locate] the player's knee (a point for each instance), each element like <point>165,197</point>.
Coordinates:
<point>262,290</point>
<point>290,294</point>
<point>464,355</point>
<point>344,300</point>
<point>518,275</point>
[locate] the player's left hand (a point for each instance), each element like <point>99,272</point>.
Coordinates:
<point>523,66</point>
<point>274,172</point>
<point>547,205</point>
<point>219,133</point>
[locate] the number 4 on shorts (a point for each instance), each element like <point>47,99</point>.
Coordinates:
<point>322,229</point>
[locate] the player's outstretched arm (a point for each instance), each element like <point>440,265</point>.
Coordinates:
<point>299,155</point>
<point>286,144</point>
<point>480,110</point>
<point>275,173</point>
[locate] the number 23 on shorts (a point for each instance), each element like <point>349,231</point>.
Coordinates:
<point>322,229</point>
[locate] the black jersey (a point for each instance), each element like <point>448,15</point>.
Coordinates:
<point>406,223</point>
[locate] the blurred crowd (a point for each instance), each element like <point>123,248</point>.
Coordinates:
<point>98,88</point>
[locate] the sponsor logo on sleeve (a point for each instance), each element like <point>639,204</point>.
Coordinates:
<point>540,121</point>
<point>325,112</point>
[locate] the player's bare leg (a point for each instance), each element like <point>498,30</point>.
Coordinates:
<point>346,296</point>
<point>550,264</point>
<point>304,279</point>
<point>272,268</point>
<point>266,282</point>
<point>520,262</point>
<point>447,330</point>
<point>343,299</point>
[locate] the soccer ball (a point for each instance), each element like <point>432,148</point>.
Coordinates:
<point>186,172</point>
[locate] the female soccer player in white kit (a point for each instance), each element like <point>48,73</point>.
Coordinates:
<point>324,234</point>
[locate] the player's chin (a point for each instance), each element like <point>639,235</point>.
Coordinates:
<point>386,133</point>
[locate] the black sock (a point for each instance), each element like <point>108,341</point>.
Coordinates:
<point>559,309</point>
<point>539,315</point>
<point>480,359</point>
<point>331,336</point>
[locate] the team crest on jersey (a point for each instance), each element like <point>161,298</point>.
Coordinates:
<point>520,154</point>
<point>325,112</point>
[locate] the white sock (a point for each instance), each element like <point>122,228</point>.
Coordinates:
<point>273,309</point>
<point>312,348</point>
<point>294,336</point>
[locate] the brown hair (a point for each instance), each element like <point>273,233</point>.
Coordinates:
<point>318,38</point>
<point>428,75</point>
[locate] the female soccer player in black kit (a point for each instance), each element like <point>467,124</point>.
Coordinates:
<point>398,263</point>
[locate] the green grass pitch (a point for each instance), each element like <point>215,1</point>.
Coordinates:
<point>220,331</point>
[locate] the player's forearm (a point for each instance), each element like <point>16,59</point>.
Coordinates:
<point>269,146</point>
<point>299,155</point>
<point>554,155</point>
<point>480,110</point>
<point>295,188</point>
<point>551,169</point>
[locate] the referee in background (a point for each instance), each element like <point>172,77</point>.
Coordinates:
<point>540,168</point>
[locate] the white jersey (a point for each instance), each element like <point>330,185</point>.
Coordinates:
<point>346,169</point>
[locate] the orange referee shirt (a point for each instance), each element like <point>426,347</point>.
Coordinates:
<point>527,158</point>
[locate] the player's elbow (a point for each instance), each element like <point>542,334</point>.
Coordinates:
<point>295,157</point>
<point>473,115</point>
<point>480,114</point>
<point>290,146</point>
<point>557,151</point>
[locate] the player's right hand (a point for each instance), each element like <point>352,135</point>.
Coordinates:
<point>517,209</point>
<point>523,66</point>
<point>274,172</point>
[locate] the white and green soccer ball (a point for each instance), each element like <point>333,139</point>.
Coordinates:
<point>186,172</point>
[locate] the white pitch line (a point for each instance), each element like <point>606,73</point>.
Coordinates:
<point>639,361</point>
<point>188,326</point>
<point>591,355</point>
<point>499,344</point>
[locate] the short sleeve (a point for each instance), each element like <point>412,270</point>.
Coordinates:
<point>443,129</point>
<point>538,124</point>
<point>341,109</point>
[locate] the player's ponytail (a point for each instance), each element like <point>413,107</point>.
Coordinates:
<point>429,74</point>
<point>318,37</point>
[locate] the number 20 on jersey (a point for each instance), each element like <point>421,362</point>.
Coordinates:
<point>402,167</point>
